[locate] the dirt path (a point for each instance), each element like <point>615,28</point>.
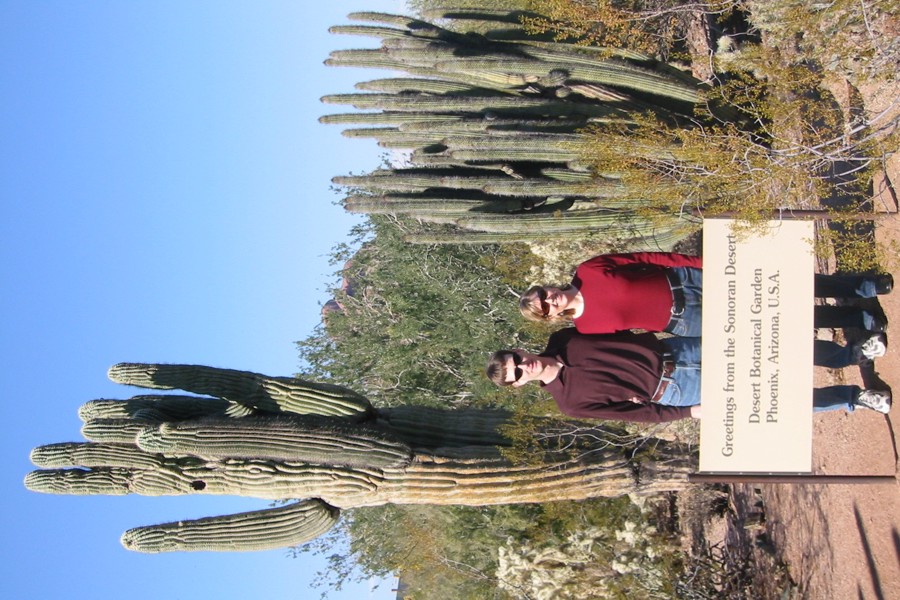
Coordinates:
<point>843,541</point>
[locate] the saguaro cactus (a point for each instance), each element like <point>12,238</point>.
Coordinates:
<point>281,438</point>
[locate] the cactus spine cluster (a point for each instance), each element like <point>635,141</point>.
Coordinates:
<point>278,438</point>
<point>496,115</point>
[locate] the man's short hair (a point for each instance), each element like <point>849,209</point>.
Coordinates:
<point>496,369</point>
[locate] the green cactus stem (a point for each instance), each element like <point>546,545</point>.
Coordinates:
<point>266,394</point>
<point>568,174</point>
<point>72,454</point>
<point>268,480</point>
<point>392,137</point>
<point>563,222</point>
<point>425,208</point>
<point>386,19</point>
<point>385,118</point>
<point>370,59</point>
<point>172,407</point>
<point>290,525</point>
<point>501,105</point>
<point>464,236</point>
<point>486,15</point>
<point>556,148</point>
<point>398,85</point>
<point>315,440</point>
<point>481,124</point>
<point>402,181</point>
<point>113,430</point>
<point>467,475</point>
<point>616,74</point>
<point>369,31</point>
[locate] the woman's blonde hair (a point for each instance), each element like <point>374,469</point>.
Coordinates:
<point>530,306</point>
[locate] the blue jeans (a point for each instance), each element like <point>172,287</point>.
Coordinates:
<point>683,387</point>
<point>836,397</point>
<point>838,317</point>
<point>689,324</point>
<point>844,286</point>
<point>826,286</point>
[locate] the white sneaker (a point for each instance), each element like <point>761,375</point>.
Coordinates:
<point>874,347</point>
<point>877,400</point>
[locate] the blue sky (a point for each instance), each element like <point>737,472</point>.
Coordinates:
<point>164,188</point>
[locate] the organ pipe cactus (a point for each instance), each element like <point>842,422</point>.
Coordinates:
<point>276,449</point>
<point>515,108</point>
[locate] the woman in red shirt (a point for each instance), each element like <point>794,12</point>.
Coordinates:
<point>663,291</point>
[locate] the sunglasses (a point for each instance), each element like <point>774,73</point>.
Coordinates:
<point>517,360</point>
<point>542,299</point>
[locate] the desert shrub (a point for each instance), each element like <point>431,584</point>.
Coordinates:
<point>654,27</point>
<point>853,38</point>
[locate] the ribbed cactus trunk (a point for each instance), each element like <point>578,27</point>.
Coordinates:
<point>466,475</point>
<point>277,438</point>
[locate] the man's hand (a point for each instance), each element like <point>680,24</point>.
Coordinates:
<point>695,411</point>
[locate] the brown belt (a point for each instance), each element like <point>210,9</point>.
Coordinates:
<point>667,370</point>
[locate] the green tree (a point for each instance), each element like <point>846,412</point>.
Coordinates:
<point>417,323</point>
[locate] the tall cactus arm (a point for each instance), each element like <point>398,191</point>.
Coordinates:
<point>396,85</point>
<point>424,209</point>
<point>260,392</point>
<point>173,407</point>
<point>368,30</point>
<point>500,105</point>
<point>494,15</point>
<point>76,454</point>
<point>385,118</point>
<point>486,237</point>
<point>289,525</point>
<point>386,18</point>
<point>316,440</point>
<point>607,221</point>
<point>123,431</point>
<point>371,59</point>
<point>268,480</point>
<point>503,185</point>
<point>617,74</point>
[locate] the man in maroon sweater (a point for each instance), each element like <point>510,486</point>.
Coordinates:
<point>637,377</point>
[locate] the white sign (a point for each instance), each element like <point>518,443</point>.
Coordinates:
<point>757,374</point>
